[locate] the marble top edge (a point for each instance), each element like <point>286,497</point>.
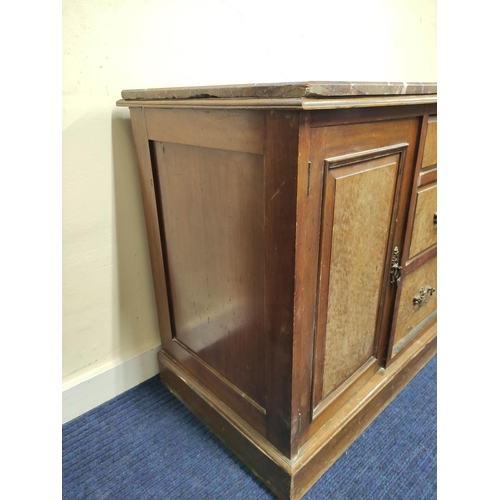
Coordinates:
<point>284,90</point>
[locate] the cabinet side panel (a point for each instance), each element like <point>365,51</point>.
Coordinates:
<point>213,215</point>
<point>363,202</point>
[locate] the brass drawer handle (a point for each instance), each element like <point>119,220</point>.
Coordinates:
<point>424,296</point>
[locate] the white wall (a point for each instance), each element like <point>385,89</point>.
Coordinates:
<point>109,314</point>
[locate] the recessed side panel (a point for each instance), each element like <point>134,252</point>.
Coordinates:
<point>212,211</point>
<point>363,196</point>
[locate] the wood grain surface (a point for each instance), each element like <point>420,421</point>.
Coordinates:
<point>424,233</point>
<point>430,148</point>
<point>231,130</point>
<point>213,214</point>
<point>362,209</point>
<point>409,314</point>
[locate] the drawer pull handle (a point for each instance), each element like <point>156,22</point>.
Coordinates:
<point>435,220</point>
<point>424,296</point>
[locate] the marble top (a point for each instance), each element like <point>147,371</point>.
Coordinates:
<point>313,90</point>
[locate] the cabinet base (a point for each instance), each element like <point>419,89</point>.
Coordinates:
<point>292,478</point>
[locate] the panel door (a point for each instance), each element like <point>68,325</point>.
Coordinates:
<point>365,188</point>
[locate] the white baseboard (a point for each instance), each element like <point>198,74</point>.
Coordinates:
<point>87,394</point>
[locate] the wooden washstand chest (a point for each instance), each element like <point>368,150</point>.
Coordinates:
<point>292,232</point>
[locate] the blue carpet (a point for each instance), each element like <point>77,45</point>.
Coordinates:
<point>145,444</point>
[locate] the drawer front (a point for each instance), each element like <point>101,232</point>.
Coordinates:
<point>424,233</point>
<point>417,299</point>
<point>430,146</point>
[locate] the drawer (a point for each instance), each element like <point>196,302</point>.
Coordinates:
<point>430,146</point>
<point>424,233</point>
<point>417,300</point>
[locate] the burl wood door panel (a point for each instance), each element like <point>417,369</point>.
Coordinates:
<point>362,196</point>
<point>213,228</point>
